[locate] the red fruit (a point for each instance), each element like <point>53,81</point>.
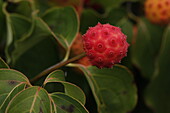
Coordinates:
<point>105,45</point>
<point>158,11</point>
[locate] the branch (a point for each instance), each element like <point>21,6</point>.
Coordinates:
<point>56,66</point>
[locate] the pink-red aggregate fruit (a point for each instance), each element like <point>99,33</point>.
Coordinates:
<point>105,45</point>
<point>158,11</point>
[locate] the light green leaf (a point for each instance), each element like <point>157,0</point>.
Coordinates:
<point>64,23</point>
<point>66,104</point>
<point>3,64</point>
<point>11,83</point>
<point>146,47</point>
<point>158,90</point>
<point>114,89</point>
<point>32,100</point>
<point>70,89</point>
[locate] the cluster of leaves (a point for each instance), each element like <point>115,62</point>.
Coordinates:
<point>36,34</point>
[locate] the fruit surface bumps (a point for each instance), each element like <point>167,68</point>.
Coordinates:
<point>158,11</point>
<point>105,45</point>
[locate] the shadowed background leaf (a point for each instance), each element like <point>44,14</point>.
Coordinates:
<point>158,90</point>
<point>146,47</point>
<point>2,30</point>
<point>108,4</point>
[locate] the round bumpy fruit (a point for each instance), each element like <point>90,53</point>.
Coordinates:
<point>158,11</point>
<point>105,45</point>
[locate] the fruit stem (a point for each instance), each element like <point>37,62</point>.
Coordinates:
<point>56,66</point>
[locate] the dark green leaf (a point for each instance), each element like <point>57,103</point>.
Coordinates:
<point>91,15</point>
<point>36,50</point>
<point>114,16</point>
<point>64,23</point>
<point>70,89</point>
<point>21,7</point>
<point>34,99</point>
<point>3,64</point>
<point>108,4</point>
<point>114,89</point>
<point>146,47</point>
<point>66,104</point>
<point>2,29</point>
<point>37,33</point>
<point>17,27</point>
<point>158,90</point>
<point>127,28</point>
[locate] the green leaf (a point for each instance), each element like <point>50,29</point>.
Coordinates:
<point>20,25</point>
<point>70,89</point>
<point>37,33</point>
<point>112,17</point>
<point>6,98</point>
<point>2,28</point>
<point>21,7</point>
<point>64,23</point>
<point>17,27</point>
<point>114,89</point>
<point>91,15</point>
<point>27,7</point>
<point>115,15</point>
<point>108,4</point>
<point>127,28</point>
<point>11,83</point>
<point>38,49</point>
<point>66,104</point>
<point>33,99</point>
<point>3,64</point>
<point>158,90</point>
<point>146,47</point>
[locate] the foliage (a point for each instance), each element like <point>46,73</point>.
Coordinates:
<point>38,72</point>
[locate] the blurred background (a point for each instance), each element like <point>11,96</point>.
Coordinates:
<point>149,52</point>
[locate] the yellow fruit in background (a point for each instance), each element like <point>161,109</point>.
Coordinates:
<point>158,11</point>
